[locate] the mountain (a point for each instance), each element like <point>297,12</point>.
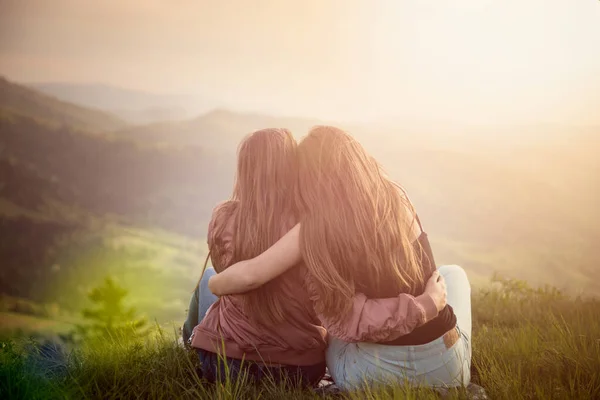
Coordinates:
<point>136,107</point>
<point>170,188</point>
<point>218,129</point>
<point>18,99</point>
<point>76,206</point>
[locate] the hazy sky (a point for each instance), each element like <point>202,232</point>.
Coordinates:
<point>465,60</point>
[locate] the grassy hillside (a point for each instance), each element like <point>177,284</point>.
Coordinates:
<point>18,99</point>
<point>76,207</point>
<point>527,344</point>
<point>50,267</point>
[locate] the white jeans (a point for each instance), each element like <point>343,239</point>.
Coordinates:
<point>352,365</point>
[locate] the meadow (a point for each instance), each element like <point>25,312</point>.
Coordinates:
<point>527,344</point>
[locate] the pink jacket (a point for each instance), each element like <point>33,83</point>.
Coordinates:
<point>301,339</point>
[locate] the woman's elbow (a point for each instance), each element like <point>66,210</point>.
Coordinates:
<point>213,285</point>
<point>241,284</point>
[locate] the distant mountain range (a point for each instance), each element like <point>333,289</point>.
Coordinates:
<point>219,129</point>
<point>25,101</point>
<point>134,106</point>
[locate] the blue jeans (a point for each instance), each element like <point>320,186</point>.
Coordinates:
<point>201,300</point>
<point>432,364</point>
<point>213,366</point>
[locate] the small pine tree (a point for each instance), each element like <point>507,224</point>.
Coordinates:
<point>109,318</point>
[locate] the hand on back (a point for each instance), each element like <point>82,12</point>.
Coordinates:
<point>436,288</point>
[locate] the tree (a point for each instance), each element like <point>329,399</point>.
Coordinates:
<point>109,317</point>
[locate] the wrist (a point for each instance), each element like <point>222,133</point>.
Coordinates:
<point>429,306</point>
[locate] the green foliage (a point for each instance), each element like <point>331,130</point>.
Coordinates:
<point>20,376</point>
<point>109,318</point>
<point>537,343</point>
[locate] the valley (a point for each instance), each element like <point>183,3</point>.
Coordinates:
<point>84,195</point>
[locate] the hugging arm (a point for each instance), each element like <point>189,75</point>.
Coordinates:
<point>373,320</point>
<point>381,320</point>
<point>250,274</point>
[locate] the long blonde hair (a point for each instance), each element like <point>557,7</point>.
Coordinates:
<point>356,224</point>
<point>263,198</point>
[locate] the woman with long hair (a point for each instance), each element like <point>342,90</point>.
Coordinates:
<point>272,332</point>
<point>359,233</point>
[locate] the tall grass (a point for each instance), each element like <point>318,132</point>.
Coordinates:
<point>526,344</point>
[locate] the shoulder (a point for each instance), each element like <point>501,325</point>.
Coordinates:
<point>222,213</point>
<point>220,234</point>
<point>222,218</point>
<point>225,208</point>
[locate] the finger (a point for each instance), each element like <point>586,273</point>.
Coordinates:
<point>435,276</point>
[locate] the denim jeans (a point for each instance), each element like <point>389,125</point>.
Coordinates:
<point>213,366</point>
<point>201,300</point>
<point>433,364</point>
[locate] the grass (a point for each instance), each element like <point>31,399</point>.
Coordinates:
<point>527,344</point>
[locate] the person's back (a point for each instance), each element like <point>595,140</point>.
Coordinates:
<point>297,338</point>
<point>360,233</point>
<point>275,325</point>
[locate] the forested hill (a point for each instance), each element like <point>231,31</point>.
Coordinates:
<point>148,185</point>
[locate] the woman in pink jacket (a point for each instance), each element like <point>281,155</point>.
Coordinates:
<point>360,239</point>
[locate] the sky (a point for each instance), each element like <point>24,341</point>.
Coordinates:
<point>474,61</point>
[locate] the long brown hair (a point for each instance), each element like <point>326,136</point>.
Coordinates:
<point>356,223</point>
<point>263,198</point>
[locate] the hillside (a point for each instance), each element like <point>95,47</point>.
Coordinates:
<point>170,188</point>
<point>18,99</point>
<point>75,207</point>
<point>134,106</point>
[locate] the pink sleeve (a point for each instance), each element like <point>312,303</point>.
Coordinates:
<point>379,320</point>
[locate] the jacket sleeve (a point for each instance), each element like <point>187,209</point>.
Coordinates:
<point>379,320</point>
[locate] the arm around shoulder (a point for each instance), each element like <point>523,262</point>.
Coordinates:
<point>380,320</point>
<point>250,274</point>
